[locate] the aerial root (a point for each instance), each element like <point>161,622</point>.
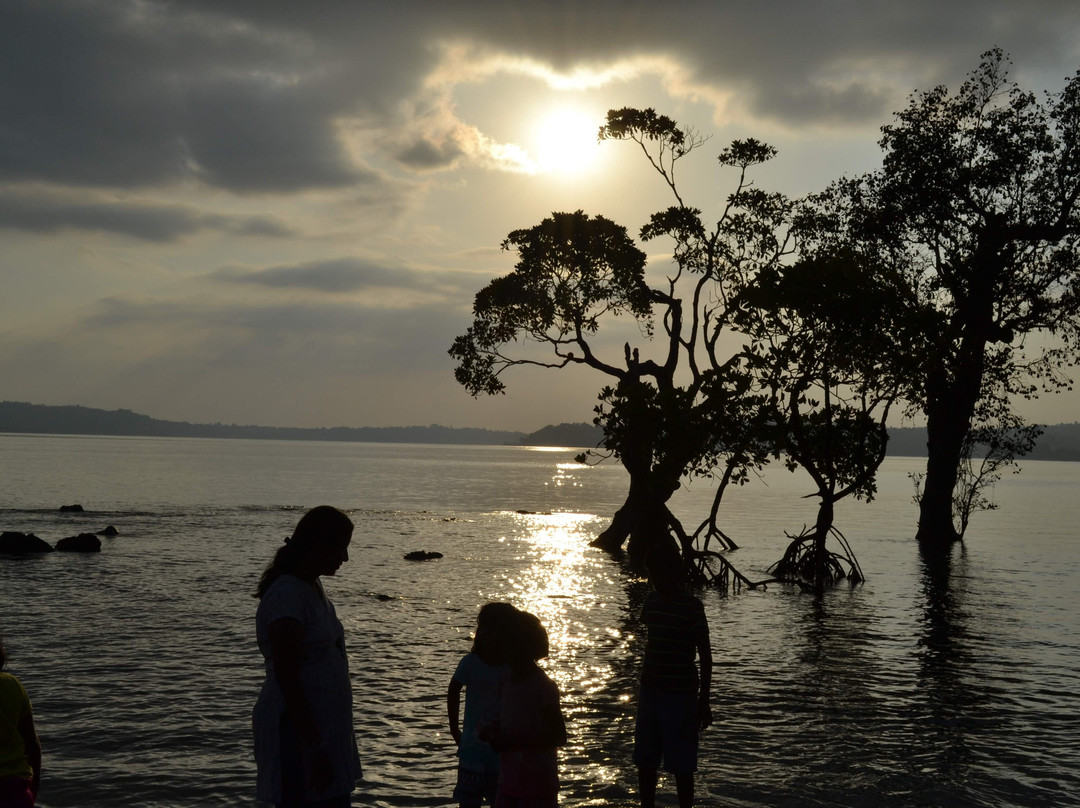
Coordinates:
<point>806,558</point>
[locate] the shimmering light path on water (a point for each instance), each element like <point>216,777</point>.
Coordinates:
<point>914,689</point>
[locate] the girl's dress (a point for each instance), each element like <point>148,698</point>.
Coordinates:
<point>324,675</point>
<point>530,775</point>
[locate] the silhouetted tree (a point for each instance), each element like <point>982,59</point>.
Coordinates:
<point>975,207</point>
<point>682,412</point>
<point>823,334</point>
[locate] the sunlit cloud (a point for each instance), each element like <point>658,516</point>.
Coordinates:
<point>467,63</point>
<point>446,140</point>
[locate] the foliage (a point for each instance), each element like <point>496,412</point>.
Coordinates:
<point>824,334</point>
<point>572,271</point>
<point>973,221</point>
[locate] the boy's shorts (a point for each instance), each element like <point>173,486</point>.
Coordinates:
<point>475,788</point>
<point>666,730</point>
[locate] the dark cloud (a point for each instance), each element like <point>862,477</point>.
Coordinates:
<point>426,155</point>
<point>338,275</point>
<point>123,94</point>
<point>250,96</point>
<point>38,213</point>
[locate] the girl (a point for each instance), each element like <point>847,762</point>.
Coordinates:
<point>305,748</point>
<point>531,725</point>
<point>20,750</point>
<point>482,673</point>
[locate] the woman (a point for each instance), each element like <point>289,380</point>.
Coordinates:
<point>305,748</point>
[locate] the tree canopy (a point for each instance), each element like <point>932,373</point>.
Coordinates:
<point>975,211</point>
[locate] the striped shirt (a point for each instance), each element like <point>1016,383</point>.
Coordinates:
<point>676,626</point>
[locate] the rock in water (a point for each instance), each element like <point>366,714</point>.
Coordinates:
<point>72,509</point>
<point>109,531</point>
<point>83,543</point>
<point>422,555</point>
<point>13,543</point>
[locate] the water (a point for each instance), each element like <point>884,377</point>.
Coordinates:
<point>907,691</point>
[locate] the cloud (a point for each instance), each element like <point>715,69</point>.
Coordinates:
<point>278,337</point>
<point>129,94</point>
<point>148,221</point>
<point>255,97</point>
<point>424,154</point>
<point>331,276</point>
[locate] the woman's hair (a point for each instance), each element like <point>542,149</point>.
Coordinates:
<point>320,524</point>
<point>3,654</point>
<point>491,625</point>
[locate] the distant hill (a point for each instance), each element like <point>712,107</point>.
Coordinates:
<point>1058,442</point>
<point>71,420</point>
<point>578,435</point>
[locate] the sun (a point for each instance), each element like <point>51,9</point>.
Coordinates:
<point>566,142</point>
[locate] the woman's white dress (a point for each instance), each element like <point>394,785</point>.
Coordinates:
<point>324,675</point>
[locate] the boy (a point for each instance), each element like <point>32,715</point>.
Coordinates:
<point>673,705</point>
<point>20,749</point>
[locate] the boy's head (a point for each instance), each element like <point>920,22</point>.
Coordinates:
<point>665,566</point>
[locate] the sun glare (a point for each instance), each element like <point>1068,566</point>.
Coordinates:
<point>566,142</point>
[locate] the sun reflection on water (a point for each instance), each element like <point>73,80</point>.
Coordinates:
<point>591,656</point>
<point>564,475</point>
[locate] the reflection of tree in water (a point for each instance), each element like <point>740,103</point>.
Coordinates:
<point>826,713</point>
<point>940,757</point>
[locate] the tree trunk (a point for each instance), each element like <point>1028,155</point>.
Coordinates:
<point>641,519</point>
<point>821,534</point>
<point>949,410</point>
<point>612,538</point>
<point>945,438</point>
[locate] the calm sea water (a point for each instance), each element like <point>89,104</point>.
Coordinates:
<point>915,689</point>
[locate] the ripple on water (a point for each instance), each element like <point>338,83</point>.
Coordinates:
<point>143,667</point>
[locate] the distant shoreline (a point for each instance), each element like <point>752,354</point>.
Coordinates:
<point>1058,442</point>
<point>43,419</point>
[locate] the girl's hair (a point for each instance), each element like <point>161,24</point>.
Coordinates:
<point>528,638</point>
<point>323,523</point>
<point>493,619</point>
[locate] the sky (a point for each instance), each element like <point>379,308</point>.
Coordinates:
<point>278,212</point>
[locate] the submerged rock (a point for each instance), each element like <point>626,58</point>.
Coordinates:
<point>109,531</point>
<point>13,543</point>
<point>72,509</point>
<point>83,543</point>
<point>422,555</point>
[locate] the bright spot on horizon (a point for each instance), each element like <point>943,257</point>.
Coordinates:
<point>566,142</point>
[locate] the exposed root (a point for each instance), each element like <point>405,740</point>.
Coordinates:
<point>710,568</point>
<point>809,562</point>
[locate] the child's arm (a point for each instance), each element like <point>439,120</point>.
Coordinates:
<point>33,749</point>
<point>554,726</point>
<point>453,708</point>
<point>704,650</point>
